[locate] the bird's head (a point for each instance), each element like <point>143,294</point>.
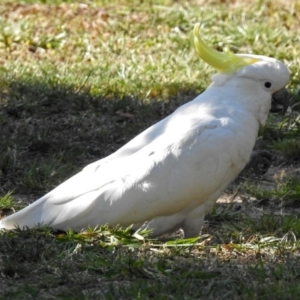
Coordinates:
<point>271,73</point>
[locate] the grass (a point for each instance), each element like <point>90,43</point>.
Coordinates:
<point>287,190</point>
<point>80,79</point>
<point>6,201</point>
<point>290,147</point>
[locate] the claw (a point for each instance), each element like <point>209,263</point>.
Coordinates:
<point>260,162</point>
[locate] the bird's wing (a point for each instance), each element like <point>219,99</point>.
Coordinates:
<point>158,137</point>
<point>184,124</point>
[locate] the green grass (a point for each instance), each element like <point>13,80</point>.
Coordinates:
<point>290,147</point>
<point>287,190</point>
<point>78,79</point>
<point>6,201</point>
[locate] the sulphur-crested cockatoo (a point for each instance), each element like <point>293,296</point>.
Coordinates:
<point>170,175</point>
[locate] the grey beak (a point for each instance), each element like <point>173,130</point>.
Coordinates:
<point>280,101</point>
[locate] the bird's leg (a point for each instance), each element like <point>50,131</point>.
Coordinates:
<point>260,161</point>
<point>194,219</point>
<point>192,226</point>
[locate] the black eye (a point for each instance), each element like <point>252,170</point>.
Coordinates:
<point>268,84</point>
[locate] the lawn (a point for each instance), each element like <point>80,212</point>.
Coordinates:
<point>78,79</point>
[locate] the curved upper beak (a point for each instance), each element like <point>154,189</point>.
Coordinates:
<point>280,101</point>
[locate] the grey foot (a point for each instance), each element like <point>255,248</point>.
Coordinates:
<point>260,161</point>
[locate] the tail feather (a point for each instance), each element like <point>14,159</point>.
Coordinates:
<point>29,217</point>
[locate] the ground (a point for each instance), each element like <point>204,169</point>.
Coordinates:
<point>80,79</point>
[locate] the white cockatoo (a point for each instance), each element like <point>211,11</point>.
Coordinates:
<point>170,175</point>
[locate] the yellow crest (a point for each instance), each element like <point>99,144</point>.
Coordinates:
<point>225,62</point>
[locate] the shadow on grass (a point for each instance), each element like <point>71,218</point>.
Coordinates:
<point>49,132</point>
